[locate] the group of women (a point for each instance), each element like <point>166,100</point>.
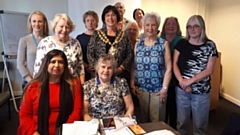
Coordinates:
<point>169,74</point>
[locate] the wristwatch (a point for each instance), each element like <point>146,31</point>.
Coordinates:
<point>165,88</point>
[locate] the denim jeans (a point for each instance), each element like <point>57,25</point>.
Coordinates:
<point>199,105</point>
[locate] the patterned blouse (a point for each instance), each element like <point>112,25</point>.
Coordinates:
<point>106,101</point>
<point>97,47</point>
<point>150,65</point>
<point>193,59</point>
<point>72,50</point>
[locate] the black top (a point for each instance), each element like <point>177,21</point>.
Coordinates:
<point>83,40</point>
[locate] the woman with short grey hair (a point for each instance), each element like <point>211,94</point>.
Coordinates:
<point>151,15</point>
<point>152,71</point>
<point>106,95</point>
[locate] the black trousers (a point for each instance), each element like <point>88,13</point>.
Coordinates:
<point>171,109</point>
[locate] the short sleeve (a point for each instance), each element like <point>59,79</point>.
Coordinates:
<point>124,87</point>
<point>213,49</point>
<point>87,89</point>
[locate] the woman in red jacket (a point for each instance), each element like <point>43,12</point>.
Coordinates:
<point>52,98</point>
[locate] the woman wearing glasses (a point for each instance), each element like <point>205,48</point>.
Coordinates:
<point>193,63</point>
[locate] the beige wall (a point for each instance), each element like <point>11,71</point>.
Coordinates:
<point>224,20</point>
<point>182,9</point>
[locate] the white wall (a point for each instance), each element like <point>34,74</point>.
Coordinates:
<point>77,8</point>
<point>224,20</point>
<point>48,7</point>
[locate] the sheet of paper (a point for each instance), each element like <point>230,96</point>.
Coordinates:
<point>160,132</point>
<point>121,131</point>
<point>80,128</point>
<point>67,129</point>
<point>123,121</point>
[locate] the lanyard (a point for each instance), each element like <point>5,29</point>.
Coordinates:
<point>111,81</point>
<point>34,40</point>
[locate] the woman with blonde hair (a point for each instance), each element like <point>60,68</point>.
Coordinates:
<point>62,26</point>
<point>133,32</point>
<point>193,63</point>
<point>38,29</point>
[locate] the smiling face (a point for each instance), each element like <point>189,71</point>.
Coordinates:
<point>62,30</point>
<point>56,67</point>
<point>110,19</point>
<point>133,31</point>
<point>138,15</point>
<point>105,71</point>
<point>37,23</point>
<point>171,26</point>
<point>150,27</point>
<point>193,28</point>
<point>90,22</point>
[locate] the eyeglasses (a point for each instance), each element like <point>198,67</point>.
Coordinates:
<point>193,27</point>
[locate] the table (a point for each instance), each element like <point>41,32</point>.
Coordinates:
<point>149,127</point>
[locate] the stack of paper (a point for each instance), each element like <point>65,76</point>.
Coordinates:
<point>80,128</point>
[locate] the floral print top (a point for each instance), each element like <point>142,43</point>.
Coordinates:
<point>106,101</point>
<point>72,50</point>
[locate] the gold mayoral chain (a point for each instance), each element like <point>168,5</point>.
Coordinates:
<point>113,50</point>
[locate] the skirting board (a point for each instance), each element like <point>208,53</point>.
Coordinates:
<point>230,98</point>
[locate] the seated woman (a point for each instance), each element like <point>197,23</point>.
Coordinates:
<point>106,95</point>
<point>52,98</point>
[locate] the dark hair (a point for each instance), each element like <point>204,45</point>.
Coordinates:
<point>136,11</point>
<point>43,75</point>
<point>108,9</point>
<point>179,32</point>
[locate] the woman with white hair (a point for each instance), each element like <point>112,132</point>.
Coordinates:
<point>62,26</point>
<point>152,71</point>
